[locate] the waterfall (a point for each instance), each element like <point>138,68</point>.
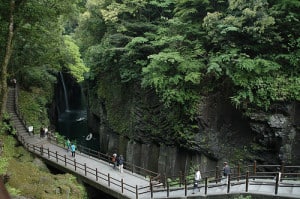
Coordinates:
<point>65,91</point>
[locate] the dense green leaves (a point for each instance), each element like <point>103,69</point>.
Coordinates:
<point>175,50</point>
<point>186,48</point>
<point>73,60</point>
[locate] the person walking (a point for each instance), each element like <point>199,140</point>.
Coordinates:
<point>73,149</point>
<point>226,171</point>
<point>68,144</point>
<point>197,179</point>
<point>114,160</point>
<point>120,163</point>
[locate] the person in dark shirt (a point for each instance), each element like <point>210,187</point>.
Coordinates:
<point>226,171</point>
<point>120,163</point>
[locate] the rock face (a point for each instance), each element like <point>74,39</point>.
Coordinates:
<point>278,129</point>
<point>225,133</point>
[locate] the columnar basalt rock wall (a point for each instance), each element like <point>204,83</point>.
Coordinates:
<point>225,133</point>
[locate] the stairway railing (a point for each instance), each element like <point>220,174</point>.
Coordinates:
<point>267,175</point>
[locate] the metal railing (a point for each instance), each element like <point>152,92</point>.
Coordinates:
<point>247,175</point>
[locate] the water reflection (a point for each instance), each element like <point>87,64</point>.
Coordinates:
<point>73,125</point>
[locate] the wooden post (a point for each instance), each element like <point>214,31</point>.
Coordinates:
<point>136,192</point>
<point>165,180</point>
<point>239,172</point>
<point>185,188</point>
<point>168,189</point>
<point>276,183</point>
<point>247,181</point>
<point>282,170</point>
<point>41,150</point>
<point>56,156</point>
<point>217,174</point>
<point>151,189</point>
<point>122,185</point>
<point>85,169</point>
<point>97,175</point>
<point>75,164</point>
<point>180,178</point>
<point>228,183</point>
<point>254,168</point>
<point>48,153</point>
<point>65,157</point>
<point>108,179</point>
<point>206,183</point>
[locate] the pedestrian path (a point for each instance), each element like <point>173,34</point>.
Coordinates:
<point>103,176</point>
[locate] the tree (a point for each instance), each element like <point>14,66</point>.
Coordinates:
<point>7,55</point>
<point>243,44</point>
<point>32,32</point>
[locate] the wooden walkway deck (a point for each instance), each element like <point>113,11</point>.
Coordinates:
<point>100,173</point>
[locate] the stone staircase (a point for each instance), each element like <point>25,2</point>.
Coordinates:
<point>16,121</point>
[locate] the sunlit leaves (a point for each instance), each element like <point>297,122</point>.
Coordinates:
<point>73,60</point>
<point>170,74</point>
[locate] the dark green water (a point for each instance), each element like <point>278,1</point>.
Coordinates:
<point>73,125</point>
<point>72,113</point>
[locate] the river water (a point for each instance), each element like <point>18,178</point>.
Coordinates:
<point>72,114</point>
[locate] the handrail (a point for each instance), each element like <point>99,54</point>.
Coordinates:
<point>97,154</point>
<point>211,179</point>
<point>240,179</point>
<point>70,163</point>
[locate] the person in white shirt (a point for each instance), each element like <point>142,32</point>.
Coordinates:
<point>197,179</point>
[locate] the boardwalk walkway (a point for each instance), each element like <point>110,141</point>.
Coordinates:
<point>100,173</point>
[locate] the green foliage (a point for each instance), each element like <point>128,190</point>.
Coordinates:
<point>7,153</point>
<point>73,60</point>
<point>180,50</point>
<point>243,197</point>
<point>32,106</point>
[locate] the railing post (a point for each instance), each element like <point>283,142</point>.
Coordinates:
<point>151,189</point>
<point>75,164</point>
<point>254,168</point>
<point>85,169</point>
<point>41,150</point>
<point>108,180</point>
<point>165,180</point>
<point>122,185</point>
<point>228,183</point>
<point>276,183</point>
<point>97,174</point>
<point>180,178</point>
<point>185,188</point>
<point>206,180</point>
<point>56,156</point>
<point>239,172</point>
<point>168,189</point>
<point>247,181</point>
<point>217,174</point>
<point>48,154</point>
<point>65,157</point>
<point>282,170</point>
<point>136,192</point>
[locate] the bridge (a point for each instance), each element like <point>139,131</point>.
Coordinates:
<point>95,169</point>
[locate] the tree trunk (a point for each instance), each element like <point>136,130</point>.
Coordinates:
<point>8,52</point>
